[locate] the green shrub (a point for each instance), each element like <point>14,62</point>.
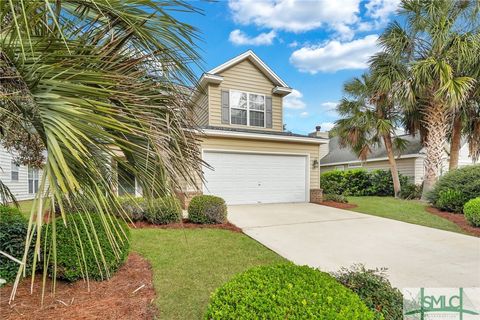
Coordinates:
<point>79,235</point>
<point>163,210</point>
<point>472,212</point>
<point>335,197</point>
<point>133,207</point>
<point>450,200</point>
<point>13,232</point>
<point>207,209</point>
<point>381,183</point>
<point>411,191</point>
<point>333,182</point>
<point>357,182</point>
<point>285,291</point>
<point>465,180</point>
<point>373,287</point>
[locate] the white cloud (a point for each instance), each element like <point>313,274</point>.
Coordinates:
<point>294,100</point>
<point>335,55</point>
<point>327,126</point>
<point>296,15</point>
<point>329,108</point>
<point>304,114</point>
<point>238,37</point>
<point>380,10</point>
<point>293,44</point>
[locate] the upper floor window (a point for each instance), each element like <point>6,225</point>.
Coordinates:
<point>32,180</point>
<point>247,108</point>
<point>14,171</point>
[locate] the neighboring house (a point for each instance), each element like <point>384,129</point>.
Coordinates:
<point>410,162</point>
<point>23,181</point>
<point>253,160</point>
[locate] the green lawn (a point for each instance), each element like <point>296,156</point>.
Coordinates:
<point>189,264</point>
<point>26,207</point>
<point>412,211</point>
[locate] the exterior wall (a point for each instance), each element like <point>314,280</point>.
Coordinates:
<point>235,144</point>
<point>464,159</point>
<point>244,76</point>
<point>201,108</point>
<point>18,188</point>
<point>406,167</point>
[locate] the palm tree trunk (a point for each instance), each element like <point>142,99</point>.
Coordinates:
<point>393,165</point>
<point>455,143</point>
<point>436,124</point>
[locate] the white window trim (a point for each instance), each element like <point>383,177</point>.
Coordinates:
<point>33,179</point>
<point>247,109</point>
<point>342,167</point>
<point>355,165</point>
<point>17,167</point>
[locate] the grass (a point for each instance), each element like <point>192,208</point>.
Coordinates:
<point>189,264</point>
<point>411,211</point>
<point>26,207</point>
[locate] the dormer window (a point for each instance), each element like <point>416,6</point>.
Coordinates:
<point>247,108</point>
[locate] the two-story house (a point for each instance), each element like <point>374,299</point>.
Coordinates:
<point>253,160</point>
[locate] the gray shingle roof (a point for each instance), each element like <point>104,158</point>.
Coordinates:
<point>270,132</point>
<point>340,155</point>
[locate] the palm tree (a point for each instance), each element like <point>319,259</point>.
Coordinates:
<point>439,37</point>
<point>368,119</point>
<point>99,82</point>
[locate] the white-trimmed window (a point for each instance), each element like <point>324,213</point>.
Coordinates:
<point>355,165</point>
<point>247,108</point>
<point>342,167</point>
<point>32,180</point>
<point>15,168</point>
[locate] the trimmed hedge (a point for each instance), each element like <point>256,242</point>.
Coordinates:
<point>373,287</point>
<point>13,233</point>
<point>285,291</point>
<point>465,181</point>
<point>360,182</point>
<point>134,207</point>
<point>472,212</point>
<point>163,210</point>
<point>207,209</point>
<point>79,235</point>
<point>451,200</point>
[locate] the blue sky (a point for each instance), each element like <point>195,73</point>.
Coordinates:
<point>315,46</point>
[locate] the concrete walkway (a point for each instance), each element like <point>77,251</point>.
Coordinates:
<point>330,238</point>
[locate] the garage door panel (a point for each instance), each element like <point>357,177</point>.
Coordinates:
<point>242,178</point>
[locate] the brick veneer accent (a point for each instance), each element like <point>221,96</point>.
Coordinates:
<point>316,195</point>
<point>186,197</point>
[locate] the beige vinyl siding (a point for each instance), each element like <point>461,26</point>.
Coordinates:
<point>231,144</point>
<point>419,170</point>
<point>244,76</point>
<point>406,167</point>
<point>201,109</point>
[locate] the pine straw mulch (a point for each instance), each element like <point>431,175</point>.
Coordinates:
<point>338,205</point>
<point>116,298</point>
<point>457,218</point>
<point>186,224</point>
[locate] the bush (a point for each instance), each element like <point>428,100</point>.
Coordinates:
<point>359,182</point>
<point>163,210</point>
<point>411,191</point>
<point>450,200</point>
<point>133,207</point>
<point>13,233</point>
<point>206,209</point>
<point>75,237</point>
<point>335,198</point>
<point>472,212</point>
<point>465,180</point>
<point>285,292</point>
<point>373,287</point>
<point>381,183</point>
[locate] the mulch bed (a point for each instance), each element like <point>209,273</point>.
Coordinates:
<point>457,218</point>
<point>186,224</point>
<point>117,298</point>
<point>338,205</point>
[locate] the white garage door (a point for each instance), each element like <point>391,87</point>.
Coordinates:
<point>243,178</point>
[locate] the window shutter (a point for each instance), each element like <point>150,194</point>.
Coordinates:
<point>268,112</point>
<point>225,107</point>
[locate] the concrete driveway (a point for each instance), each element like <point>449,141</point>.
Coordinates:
<point>330,238</point>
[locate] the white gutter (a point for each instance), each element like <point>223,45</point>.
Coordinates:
<point>406,156</point>
<point>262,136</point>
